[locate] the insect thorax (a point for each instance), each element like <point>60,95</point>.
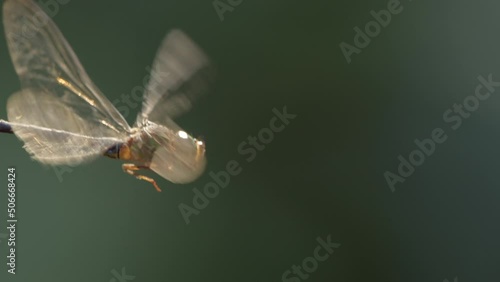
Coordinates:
<point>142,146</point>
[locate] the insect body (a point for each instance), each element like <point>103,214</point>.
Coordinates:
<point>64,119</point>
<point>153,146</point>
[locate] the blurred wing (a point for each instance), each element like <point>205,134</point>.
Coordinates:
<point>53,133</point>
<point>44,60</point>
<point>181,72</point>
<point>179,158</point>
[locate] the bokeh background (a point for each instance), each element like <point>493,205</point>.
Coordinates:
<point>323,175</point>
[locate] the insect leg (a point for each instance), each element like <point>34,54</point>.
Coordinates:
<point>132,168</point>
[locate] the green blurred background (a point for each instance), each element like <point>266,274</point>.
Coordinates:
<point>323,175</point>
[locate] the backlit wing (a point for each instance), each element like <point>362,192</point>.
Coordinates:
<point>56,94</point>
<point>180,73</point>
<point>55,134</point>
<point>179,157</point>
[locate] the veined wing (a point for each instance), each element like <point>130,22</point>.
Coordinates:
<point>55,134</point>
<point>59,114</point>
<point>44,60</point>
<point>180,73</point>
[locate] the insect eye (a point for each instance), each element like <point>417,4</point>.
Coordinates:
<point>112,152</point>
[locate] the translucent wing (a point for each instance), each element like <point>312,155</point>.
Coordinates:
<point>180,73</point>
<point>54,81</point>
<point>53,133</point>
<point>179,157</point>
